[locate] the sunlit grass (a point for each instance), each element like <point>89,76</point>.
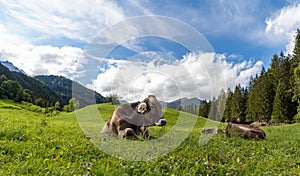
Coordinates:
<point>33,144</point>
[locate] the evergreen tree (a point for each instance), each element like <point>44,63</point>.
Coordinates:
<point>227,112</point>
<point>260,98</point>
<point>251,113</point>
<point>213,109</point>
<point>221,102</point>
<point>274,71</point>
<point>296,74</point>
<point>203,109</point>
<point>265,98</point>
<point>296,52</point>
<point>238,104</point>
<point>280,108</point>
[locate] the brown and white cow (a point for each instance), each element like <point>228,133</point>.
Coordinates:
<point>244,131</point>
<point>134,119</point>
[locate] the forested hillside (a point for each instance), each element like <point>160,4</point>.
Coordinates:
<point>44,91</point>
<point>272,96</point>
<point>20,87</point>
<point>63,86</point>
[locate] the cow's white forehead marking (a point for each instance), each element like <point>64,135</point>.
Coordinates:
<point>142,107</point>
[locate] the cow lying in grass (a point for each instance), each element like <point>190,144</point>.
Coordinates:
<point>132,120</point>
<point>244,131</point>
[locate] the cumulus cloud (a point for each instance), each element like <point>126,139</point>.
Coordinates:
<point>198,74</point>
<point>46,60</point>
<point>285,22</point>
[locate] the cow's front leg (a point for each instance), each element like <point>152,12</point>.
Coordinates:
<point>147,133</point>
<point>128,133</point>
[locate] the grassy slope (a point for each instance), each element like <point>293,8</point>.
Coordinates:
<point>31,143</point>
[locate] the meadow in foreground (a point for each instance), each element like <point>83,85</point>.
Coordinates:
<point>33,144</point>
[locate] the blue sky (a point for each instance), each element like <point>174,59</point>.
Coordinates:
<point>233,27</point>
<point>50,37</point>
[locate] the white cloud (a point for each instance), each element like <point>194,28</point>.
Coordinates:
<point>80,19</point>
<point>35,60</point>
<point>23,24</point>
<point>285,22</point>
<point>196,75</point>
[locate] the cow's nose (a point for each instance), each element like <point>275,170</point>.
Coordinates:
<point>163,122</point>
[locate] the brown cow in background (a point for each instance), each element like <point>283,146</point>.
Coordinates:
<point>244,131</point>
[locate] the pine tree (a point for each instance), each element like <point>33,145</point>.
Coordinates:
<point>227,111</point>
<point>238,104</point>
<point>274,71</point>
<point>296,52</point>
<point>295,69</point>
<point>203,109</point>
<point>296,91</point>
<point>213,109</point>
<point>221,102</point>
<point>251,112</point>
<point>265,98</point>
<point>280,105</point>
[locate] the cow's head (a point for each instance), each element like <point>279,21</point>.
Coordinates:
<point>148,113</point>
<point>154,111</point>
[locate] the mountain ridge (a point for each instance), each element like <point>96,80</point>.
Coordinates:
<point>68,88</point>
<point>182,102</point>
<point>18,86</point>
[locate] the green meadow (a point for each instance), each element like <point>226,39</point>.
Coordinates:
<point>31,143</point>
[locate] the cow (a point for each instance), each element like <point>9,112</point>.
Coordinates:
<point>132,120</point>
<point>244,131</point>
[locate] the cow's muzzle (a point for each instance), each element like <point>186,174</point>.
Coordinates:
<point>161,122</point>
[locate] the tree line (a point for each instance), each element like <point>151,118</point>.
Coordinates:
<point>272,96</point>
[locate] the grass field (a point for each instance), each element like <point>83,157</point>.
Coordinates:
<point>33,144</point>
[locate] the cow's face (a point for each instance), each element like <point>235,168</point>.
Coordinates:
<point>154,111</point>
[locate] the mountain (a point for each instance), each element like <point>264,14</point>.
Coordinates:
<point>12,82</point>
<point>11,67</point>
<point>67,89</point>
<point>181,103</point>
<point>43,90</point>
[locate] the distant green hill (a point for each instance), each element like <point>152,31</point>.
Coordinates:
<point>63,86</point>
<point>44,90</point>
